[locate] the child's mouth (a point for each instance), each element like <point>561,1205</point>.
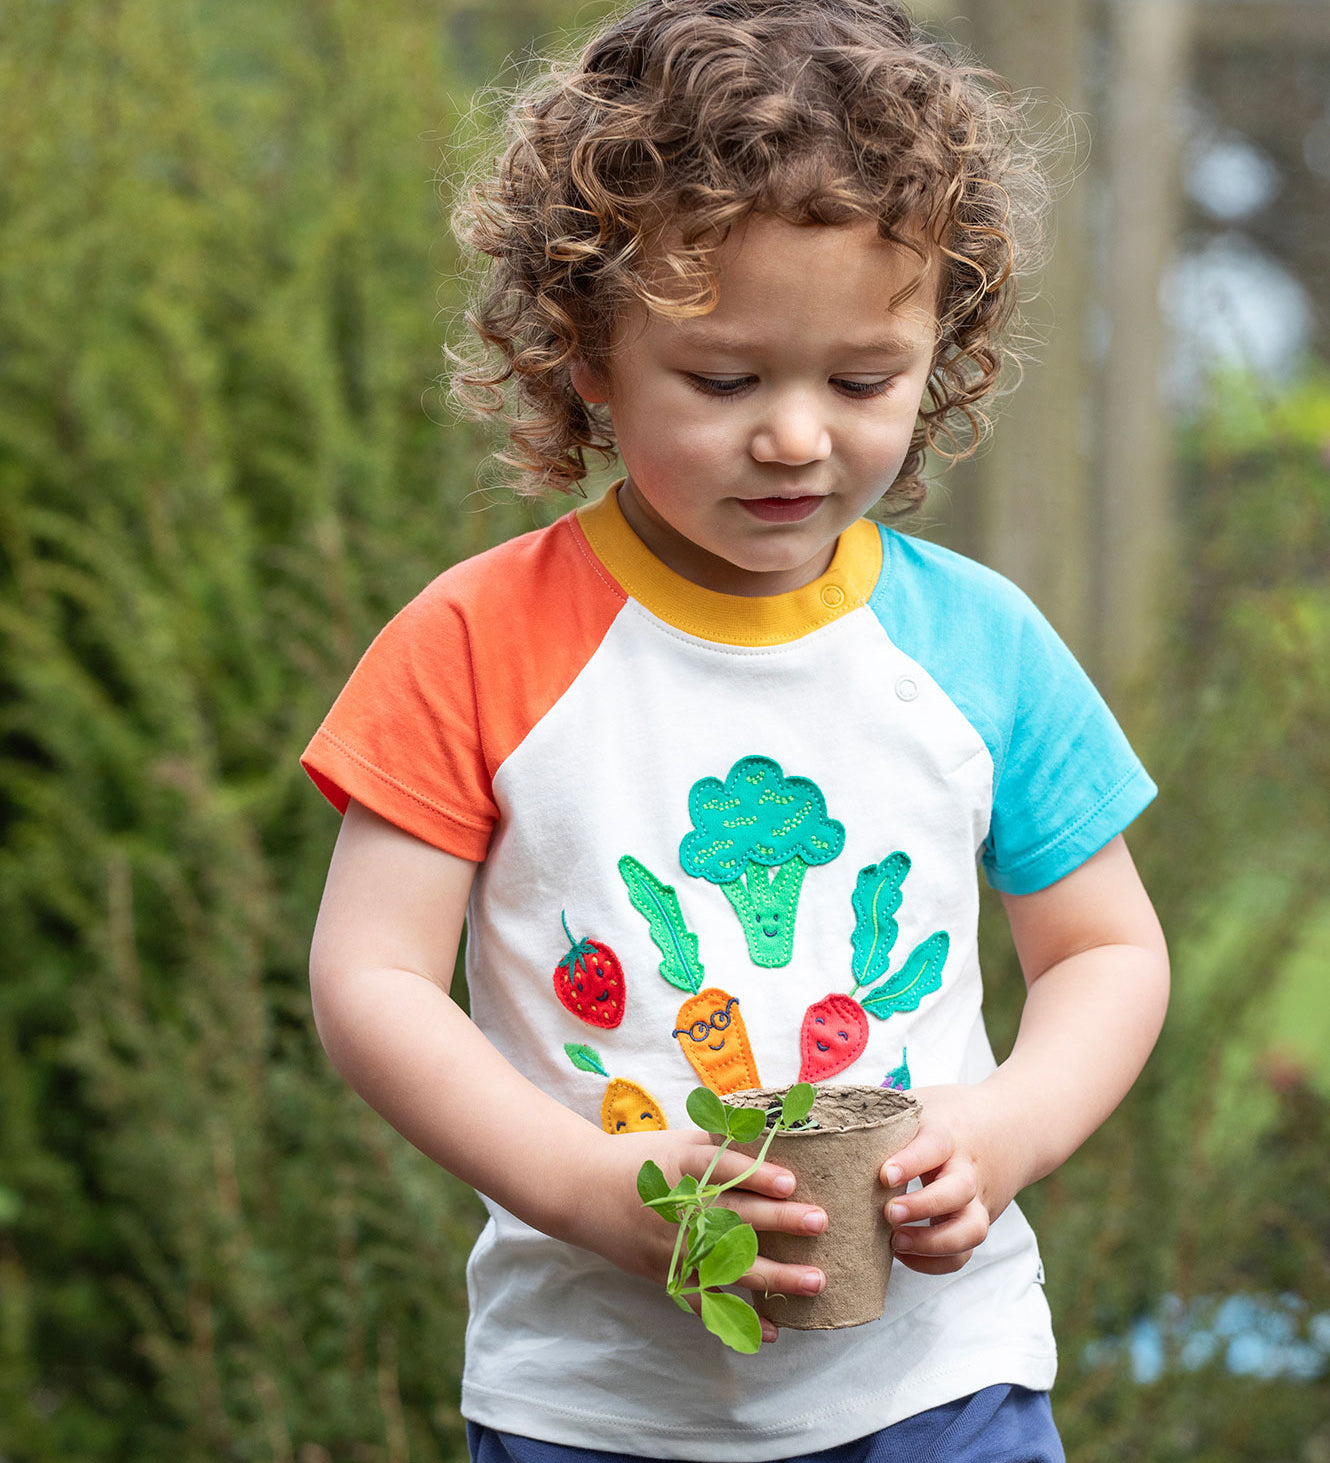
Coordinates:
<point>782,510</point>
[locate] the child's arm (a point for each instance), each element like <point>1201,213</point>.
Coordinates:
<point>1096,971</point>
<point>380,968</point>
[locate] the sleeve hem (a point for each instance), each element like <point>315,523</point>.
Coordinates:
<point>1070,848</point>
<point>341,773</point>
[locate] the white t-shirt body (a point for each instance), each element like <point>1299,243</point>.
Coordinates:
<point>570,712</point>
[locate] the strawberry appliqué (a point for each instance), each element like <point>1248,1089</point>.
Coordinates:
<point>589,981</point>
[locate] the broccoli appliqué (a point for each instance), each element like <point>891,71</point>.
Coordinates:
<point>756,835</point>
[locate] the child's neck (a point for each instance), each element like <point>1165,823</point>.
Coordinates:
<point>701,567</point>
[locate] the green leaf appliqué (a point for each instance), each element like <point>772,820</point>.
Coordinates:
<point>899,1077</point>
<point>659,906</point>
<point>920,976</point>
<point>876,898</point>
<point>585,1058</point>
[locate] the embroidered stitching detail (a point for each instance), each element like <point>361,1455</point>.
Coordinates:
<point>626,1107</point>
<point>1048,846</point>
<point>899,1077</point>
<point>920,976</point>
<point>589,981</point>
<point>589,554</point>
<point>833,1036</point>
<point>709,1029</point>
<point>756,835</point>
<point>711,1033</point>
<point>834,1031</point>
<point>876,898</point>
<point>658,904</point>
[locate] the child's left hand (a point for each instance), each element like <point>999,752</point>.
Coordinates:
<point>971,1169</point>
<point>1096,974</point>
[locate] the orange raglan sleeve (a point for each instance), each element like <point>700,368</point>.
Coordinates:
<point>453,683</point>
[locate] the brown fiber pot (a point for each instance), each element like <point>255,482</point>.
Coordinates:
<point>837,1165</point>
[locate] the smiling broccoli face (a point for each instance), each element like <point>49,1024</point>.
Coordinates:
<point>755,835</point>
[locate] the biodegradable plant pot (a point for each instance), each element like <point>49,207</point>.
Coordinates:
<point>837,1165</point>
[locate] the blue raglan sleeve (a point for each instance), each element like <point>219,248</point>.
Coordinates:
<point>1065,779</point>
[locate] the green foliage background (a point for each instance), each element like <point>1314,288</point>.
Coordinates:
<point>222,466</point>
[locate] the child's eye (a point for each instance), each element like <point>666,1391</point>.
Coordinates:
<point>719,385</point>
<point>862,388</point>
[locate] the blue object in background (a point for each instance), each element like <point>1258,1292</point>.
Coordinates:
<point>1265,1336</point>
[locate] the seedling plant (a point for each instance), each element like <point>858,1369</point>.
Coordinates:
<point>713,1246</point>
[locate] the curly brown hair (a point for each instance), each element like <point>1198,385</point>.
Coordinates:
<point>635,160</point>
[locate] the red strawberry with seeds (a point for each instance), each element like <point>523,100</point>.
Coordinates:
<point>834,1035</point>
<point>589,981</point>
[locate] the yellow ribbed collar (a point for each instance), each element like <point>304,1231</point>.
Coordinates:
<point>733,619</point>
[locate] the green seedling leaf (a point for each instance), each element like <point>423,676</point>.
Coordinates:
<point>731,1257</point>
<point>681,1303</point>
<point>746,1123</point>
<point>733,1320</point>
<point>798,1103</point>
<point>651,1182</point>
<point>710,1226</point>
<point>707,1110</point>
<point>654,1191</point>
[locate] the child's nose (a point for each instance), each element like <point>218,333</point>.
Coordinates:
<point>791,431</point>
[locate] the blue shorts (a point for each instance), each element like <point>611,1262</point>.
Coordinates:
<point>998,1425</point>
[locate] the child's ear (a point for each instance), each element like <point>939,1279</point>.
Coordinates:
<point>590,384</point>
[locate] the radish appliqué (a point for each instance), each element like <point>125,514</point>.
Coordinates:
<point>835,1029</point>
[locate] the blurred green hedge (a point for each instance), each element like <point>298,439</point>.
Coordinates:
<point>224,280</point>
<point>222,466</point>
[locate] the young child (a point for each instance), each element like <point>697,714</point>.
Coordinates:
<point>766,249</point>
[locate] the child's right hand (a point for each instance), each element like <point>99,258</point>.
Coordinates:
<point>612,1221</point>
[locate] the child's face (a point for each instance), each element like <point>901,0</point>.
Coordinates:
<point>752,436</point>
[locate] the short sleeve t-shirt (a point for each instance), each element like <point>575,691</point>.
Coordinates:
<point>673,796</point>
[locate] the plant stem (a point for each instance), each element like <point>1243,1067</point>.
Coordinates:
<point>704,1198</point>
<point>673,1279</point>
